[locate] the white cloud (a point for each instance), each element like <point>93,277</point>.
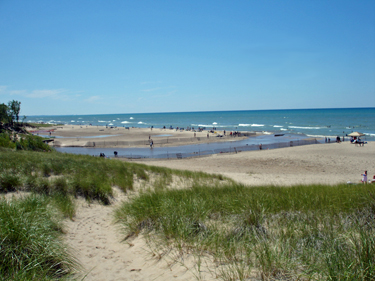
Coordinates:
<point>17,92</point>
<point>56,94</point>
<point>93,99</point>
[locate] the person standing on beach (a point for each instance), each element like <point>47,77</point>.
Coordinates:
<point>364,177</point>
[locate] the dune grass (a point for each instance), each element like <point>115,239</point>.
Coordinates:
<point>313,232</point>
<point>30,229</point>
<point>31,247</point>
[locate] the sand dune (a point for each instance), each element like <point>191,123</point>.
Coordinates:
<point>104,255</point>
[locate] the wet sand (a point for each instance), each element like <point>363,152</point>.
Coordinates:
<point>75,135</point>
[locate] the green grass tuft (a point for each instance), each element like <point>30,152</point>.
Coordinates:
<point>31,247</point>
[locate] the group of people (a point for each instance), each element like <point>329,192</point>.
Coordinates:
<point>235,134</point>
<point>357,141</point>
<point>364,178</point>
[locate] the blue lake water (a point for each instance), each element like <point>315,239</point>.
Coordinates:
<point>191,150</point>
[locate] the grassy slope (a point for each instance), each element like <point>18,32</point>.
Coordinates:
<point>306,232</point>
<point>303,232</point>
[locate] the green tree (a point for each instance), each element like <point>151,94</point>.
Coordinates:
<point>5,116</point>
<point>15,107</point>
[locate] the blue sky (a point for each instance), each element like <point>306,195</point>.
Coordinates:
<point>102,57</point>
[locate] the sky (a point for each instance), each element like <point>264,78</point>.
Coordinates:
<point>102,57</point>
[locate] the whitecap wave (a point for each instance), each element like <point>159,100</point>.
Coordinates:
<point>244,125</point>
<point>140,122</point>
<point>131,118</point>
<point>125,122</point>
<point>201,125</point>
<point>110,124</point>
<point>306,128</point>
<point>283,129</point>
<point>72,121</point>
<point>277,126</point>
<point>257,125</point>
<point>214,123</point>
<point>101,121</point>
<point>317,136</point>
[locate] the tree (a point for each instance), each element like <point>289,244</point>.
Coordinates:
<point>5,116</point>
<point>15,107</point>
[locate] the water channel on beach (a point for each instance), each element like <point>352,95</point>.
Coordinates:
<point>251,143</point>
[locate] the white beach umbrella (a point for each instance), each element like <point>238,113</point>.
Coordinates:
<point>356,134</point>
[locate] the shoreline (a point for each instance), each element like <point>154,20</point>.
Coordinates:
<point>102,136</point>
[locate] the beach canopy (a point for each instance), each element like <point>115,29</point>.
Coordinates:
<point>356,134</point>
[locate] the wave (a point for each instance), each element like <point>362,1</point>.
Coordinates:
<point>110,124</point>
<point>72,121</point>
<point>214,123</point>
<point>101,121</point>
<point>201,125</point>
<point>283,129</point>
<point>125,122</point>
<point>140,122</point>
<point>131,118</point>
<point>277,126</point>
<point>251,125</point>
<point>306,128</point>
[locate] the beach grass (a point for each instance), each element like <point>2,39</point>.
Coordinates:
<point>306,232</point>
<point>30,228</point>
<point>31,247</point>
<point>315,232</point>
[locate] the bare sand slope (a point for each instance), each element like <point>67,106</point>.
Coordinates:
<point>104,255</point>
<point>321,163</point>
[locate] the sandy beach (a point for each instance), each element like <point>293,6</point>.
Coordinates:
<point>332,163</point>
<point>102,136</point>
<point>98,243</point>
